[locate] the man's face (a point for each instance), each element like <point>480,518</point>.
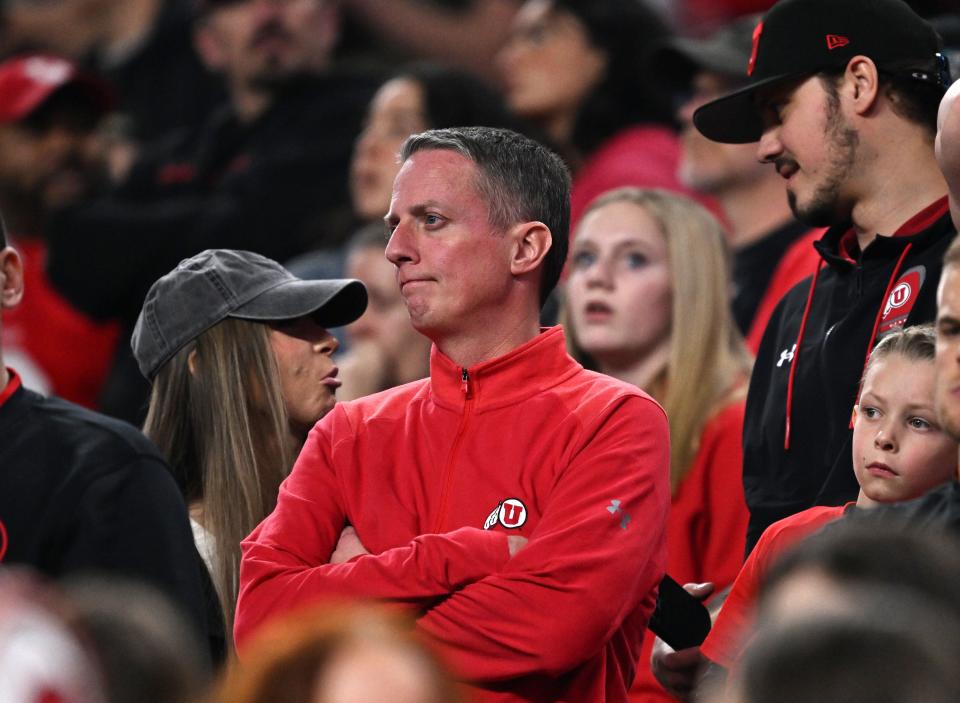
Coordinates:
<point>813,148</point>
<point>50,162</point>
<point>705,165</point>
<point>267,42</point>
<point>947,392</point>
<point>453,266</point>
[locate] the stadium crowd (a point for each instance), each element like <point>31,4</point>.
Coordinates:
<point>417,350</point>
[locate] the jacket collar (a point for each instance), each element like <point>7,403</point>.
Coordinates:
<point>838,246</point>
<point>519,374</point>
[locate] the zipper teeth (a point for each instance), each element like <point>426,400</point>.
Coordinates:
<point>449,468</point>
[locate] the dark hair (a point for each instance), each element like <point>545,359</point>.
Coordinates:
<point>520,179</point>
<point>625,31</point>
<point>878,548</point>
<point>913,100</point>
<point>454,98</point>
<point>3,233</point>
<point>891,648</point>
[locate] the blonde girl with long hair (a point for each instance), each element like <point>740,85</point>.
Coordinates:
<point>239,356</point>
<point>648,301</point>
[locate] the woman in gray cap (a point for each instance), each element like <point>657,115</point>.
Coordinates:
<point>239,354</point>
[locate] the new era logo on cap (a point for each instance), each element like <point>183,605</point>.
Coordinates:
<point>835,41</point>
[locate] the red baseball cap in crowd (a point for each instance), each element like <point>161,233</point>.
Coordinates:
<point>797,38</point>
<point>28,81</point>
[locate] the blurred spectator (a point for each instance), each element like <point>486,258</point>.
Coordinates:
<point>417,98</point>
<point>143,47</point>
<point>49,158</point>
<point>682,347</point>
<point>464,34</point>
<point>850,126</point>
<point>80,492</point>
<point>886,646</point>
<point>146,652</point>
<point>42,658</point>
<point>948,146</point>
<point>340,655</point>
<point>267,174</point>
<point>578,71</point>
<point>240,361</point>
<point>772,251</point>
<point>385,349</point>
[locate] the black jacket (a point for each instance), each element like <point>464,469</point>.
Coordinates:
<point>847,304</point>
<point>82,493</point>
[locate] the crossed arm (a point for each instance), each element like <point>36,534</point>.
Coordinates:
<point>493,609</point>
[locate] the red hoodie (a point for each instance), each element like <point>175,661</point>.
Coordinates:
<point>435,474</point>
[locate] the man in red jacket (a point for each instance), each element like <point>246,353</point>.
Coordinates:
<point>513,501</point>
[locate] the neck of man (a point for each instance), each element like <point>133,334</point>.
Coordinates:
<point>754,209</point>
<point>487,339</point>
<point>898,180</point>
<point>249,101</point>
<point>4,374</point>
<point>128,26</point>
<point>642,372</point>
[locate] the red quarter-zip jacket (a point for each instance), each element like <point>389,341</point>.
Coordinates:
<point>435,474</point>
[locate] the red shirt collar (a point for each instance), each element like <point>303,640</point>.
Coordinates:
<point>12,385</point>
<point>849,248</point>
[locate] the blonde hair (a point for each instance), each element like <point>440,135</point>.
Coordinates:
<point>708,362</point>
<point>225,431</point>
<point>915,343</point>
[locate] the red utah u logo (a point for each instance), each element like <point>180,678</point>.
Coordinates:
<point>513,513</point>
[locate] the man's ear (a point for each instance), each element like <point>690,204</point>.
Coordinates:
<point>11,278</point>
<point>862,81</point>
<point>532,241</point>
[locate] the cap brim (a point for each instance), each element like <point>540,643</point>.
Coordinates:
<point>735,118</point>
<point>333,303</point>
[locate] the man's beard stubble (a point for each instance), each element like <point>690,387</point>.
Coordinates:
<point>823,209</point>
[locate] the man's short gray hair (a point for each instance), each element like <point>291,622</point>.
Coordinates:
<point>520,180</point>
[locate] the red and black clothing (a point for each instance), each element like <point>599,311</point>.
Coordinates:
<point>797,429</point>
<point>82,493</point>
<point>434,476</point>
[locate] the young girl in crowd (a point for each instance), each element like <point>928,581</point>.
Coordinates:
<point>239,355</point>
<point>648,302</point>
<point>899,453</point>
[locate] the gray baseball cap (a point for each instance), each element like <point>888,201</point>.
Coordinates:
<point>726,52</point>
<point>220,283</point>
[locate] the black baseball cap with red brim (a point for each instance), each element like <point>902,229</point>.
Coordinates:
<point>798,38</point>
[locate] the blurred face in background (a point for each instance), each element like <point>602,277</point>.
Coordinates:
<point>267,42</point>
<point>708,166</point>
<point>386,323</point>
<point>548,66</point>
<point>619,289</point>
<point>396,111</point>
<point>51,158</point>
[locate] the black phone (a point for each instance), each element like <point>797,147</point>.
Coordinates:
<point>679,619</point>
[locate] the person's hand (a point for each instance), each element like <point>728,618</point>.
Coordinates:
<point>348,547</point>
<point>677,670</point>
<point>515,543</point>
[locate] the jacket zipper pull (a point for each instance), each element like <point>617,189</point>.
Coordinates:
<point>465,378</point>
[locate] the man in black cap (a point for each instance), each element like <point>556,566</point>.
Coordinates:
<point>772,251</point>
<point>843,100</point>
